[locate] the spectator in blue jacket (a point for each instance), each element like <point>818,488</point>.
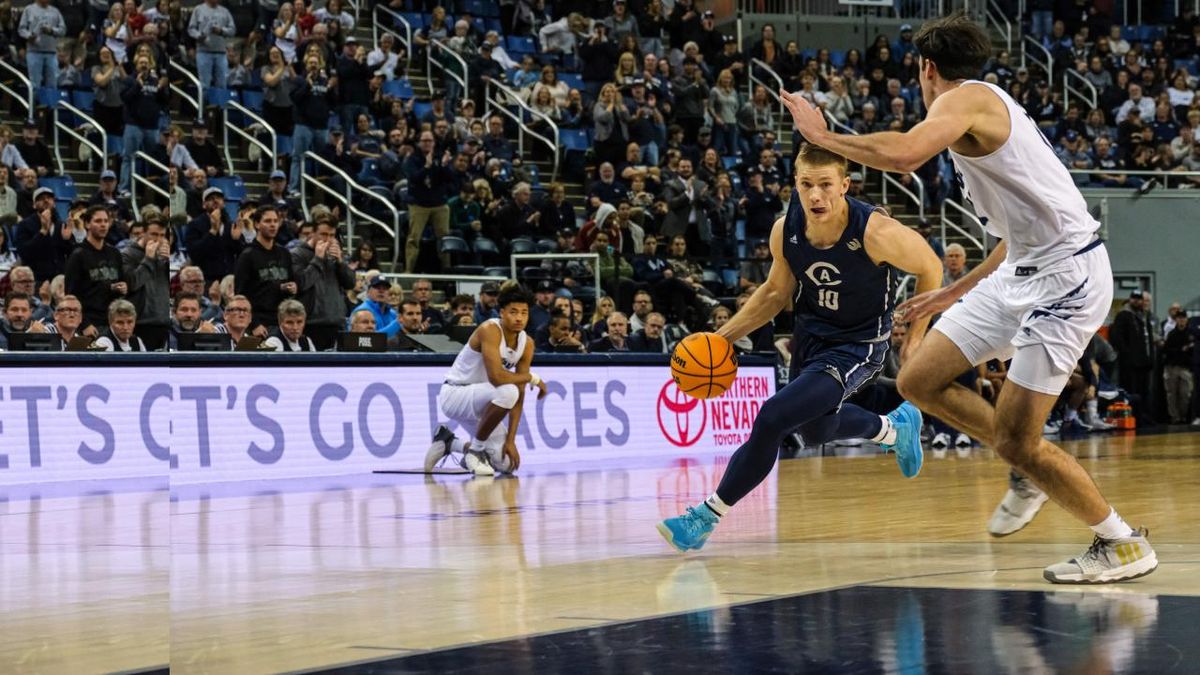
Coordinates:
<point>386,319</point>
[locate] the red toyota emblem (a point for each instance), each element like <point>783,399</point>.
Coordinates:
<point>678,418</point>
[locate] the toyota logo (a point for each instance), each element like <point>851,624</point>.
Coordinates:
<point>678,418</point>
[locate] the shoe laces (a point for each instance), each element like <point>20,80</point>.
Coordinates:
<point>695,521</point>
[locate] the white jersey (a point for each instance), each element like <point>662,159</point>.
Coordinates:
<point>1024,195</point>
<point>468,366</point>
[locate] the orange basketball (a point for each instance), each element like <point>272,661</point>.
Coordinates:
<point>703,365</point>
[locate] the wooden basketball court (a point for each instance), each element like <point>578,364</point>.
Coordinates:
<point>564,571</point>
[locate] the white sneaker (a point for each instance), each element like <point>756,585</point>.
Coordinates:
<point>1107,561</point>
<point>1051,428</point>
<point>941,441</point>
<point>440,449</point>
<point>962,441</point>
<point>1020,504</point>
<point>477,463</point>
<point>1196,422</point>
<point>1097,423</point>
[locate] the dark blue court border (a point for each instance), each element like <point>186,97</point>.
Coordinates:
<point>858,630</point>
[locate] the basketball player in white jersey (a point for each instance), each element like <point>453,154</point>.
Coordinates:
<point>1039,297</point>
<point>485,385</point>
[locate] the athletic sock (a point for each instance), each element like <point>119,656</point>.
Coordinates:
<point>1092,410</point>
<point>887,433</point>
<point>459,445</point>
<point>717,506</point>
<point>1112,527</point>
<point>1072,415</point>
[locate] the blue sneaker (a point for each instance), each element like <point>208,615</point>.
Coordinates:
<point>907,421</point>
<point>689,531</point>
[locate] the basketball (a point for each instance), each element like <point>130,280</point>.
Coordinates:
<point>703,365</point>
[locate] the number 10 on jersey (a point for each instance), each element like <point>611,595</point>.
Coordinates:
<point>827,299</point>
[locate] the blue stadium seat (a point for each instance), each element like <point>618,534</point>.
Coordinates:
<point>50,97</point>
<point>449,244</point>
<point>85,79</point>
<point>62,208</point>
<point>283,145</point>
<point>253,100</point>
<point>231,209</point>
<point>479,24</point>
<point>421,108</point>
<point>729,162</point>
<point>63,186</point>
<point>492,23</point>
<point>547,246</point>
<point>398,89</point>
<point>517,44</point>
<point>480,8</point>
<point>572,80</point>
<point>573,139</point>
<point>84,100</point>
<point>837,58</point>
<point>485,245</point>
<point>1129,33</point>
<point>233,187</point>
<point>217,97</point>
<point>499,272</point>
<point>414,19</point>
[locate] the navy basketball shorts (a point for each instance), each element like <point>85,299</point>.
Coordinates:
<point>853,364</point>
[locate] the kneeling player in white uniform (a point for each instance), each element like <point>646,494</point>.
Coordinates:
<point>1039,297</point>
<point>485,385</point>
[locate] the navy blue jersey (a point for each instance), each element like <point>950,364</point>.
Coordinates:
<point>842,295</point>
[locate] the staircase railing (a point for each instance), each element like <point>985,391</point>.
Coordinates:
<point>101,150</point>
<point>918,197</point>
<point>498,97</point>
<point>346,200</point>
<point>1086,90</point>
<point>271,150</point>
<point>197,101</point>
<point>981,243</point>
<point>25,100</point>
<point>405,38</point>
<point>139,179</point>
<point>1046,63</point>
<point>432,60</point>
<point>753,80</point>
<point>993,15</point>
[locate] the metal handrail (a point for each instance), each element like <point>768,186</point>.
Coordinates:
<point>1047,64</point>
<point>348,202</point>
<point>1164,176</point>
<point>918,198</point>
<point>198,101</point>
<point>272,151</point>
<point>772,93</point>
<point>981,243</point>
<point>430,61</point>
<point>1093,101</point>
<point>594,257</point>
<point>499,105</point>
<point>101,150</point>
<point>993,13</point>
<point>406,39</point>
<point>140,179</point>
<point>26,100</point>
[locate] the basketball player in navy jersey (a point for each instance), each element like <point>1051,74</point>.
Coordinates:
<point>1039,297</point>
<point>840,259</point>
<point>485,387</point>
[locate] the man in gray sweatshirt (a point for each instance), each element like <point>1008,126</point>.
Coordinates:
<point>41,25</point>
<point>146,264</point>
<point>319,266</point>
<point>209,26</point>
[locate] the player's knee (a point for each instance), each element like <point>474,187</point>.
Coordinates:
<point>911,386</point>
<point>506,396</point>
<point>773,415</point>
<point>819,431</point>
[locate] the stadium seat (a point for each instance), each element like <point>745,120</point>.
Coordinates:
<point>252,100</point>
<point>485,245</point>
<point>63,186</point>
<point>453,245</point>
<point>468,270</point>
<point>231,209</point>
<point>217,97</point>
<point>501,272</point>
<point>522,245</point>
<point>547,246</point>
<point>84,100</point>
<point>518,44</point>
<point>420,108</point>
<point>50,97</point>
<point>572,80</point>
<point>492,23</point>
<point>233,187</point>
<point>398,89</point>
<point>414,19</point>
<point>573,139</point>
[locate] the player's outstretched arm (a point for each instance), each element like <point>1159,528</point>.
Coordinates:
<point>770,298</point>
<point>950,117</point>
<point>925,305</point>
<point>889,241</point>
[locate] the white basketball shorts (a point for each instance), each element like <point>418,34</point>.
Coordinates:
<point>1043,318</point>
<point>465,403</point>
